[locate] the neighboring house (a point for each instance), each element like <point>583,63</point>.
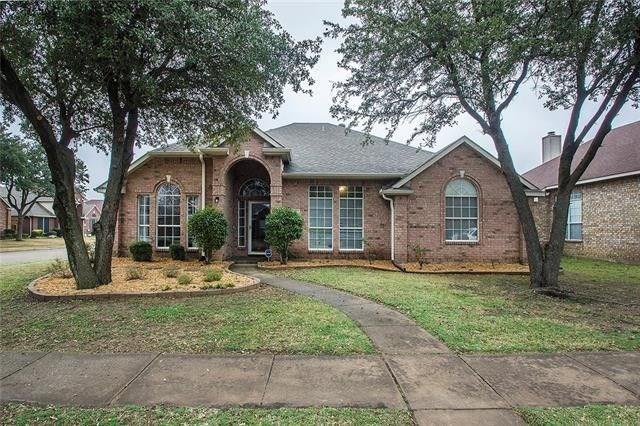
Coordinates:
<point>604,217</point>
<point>91,211</point>
<point>41,215</point>
<point>5,216</point>
<point>383,198</point>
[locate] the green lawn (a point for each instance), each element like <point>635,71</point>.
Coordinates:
<point>264,320</point>
<point>499,313</point>
<point>591,415</point>
<point>23,414</point>
<point>30,244</point>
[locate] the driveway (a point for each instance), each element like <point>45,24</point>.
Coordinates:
<point>26,256</point>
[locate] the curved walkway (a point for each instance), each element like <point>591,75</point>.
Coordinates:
<point>413,370</point>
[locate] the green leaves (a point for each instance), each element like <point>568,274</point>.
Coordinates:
<point>283,226</point>
<point>209,229</point>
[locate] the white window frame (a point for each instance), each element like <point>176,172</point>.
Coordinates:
<point>158,226</point>
<point>329,189</point>
<point>476,217</point>
<point>196,206</point>
<point>139,223</point>
<point>242,223</point>
<point>350,228</point>
<point>575,199</point>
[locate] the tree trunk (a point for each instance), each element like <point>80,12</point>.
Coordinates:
<point>121,157</point>
<point>20,223</point>
<point>62,164</point>
<point>535,255</point>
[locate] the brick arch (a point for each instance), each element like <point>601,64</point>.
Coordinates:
<point>251,157</point>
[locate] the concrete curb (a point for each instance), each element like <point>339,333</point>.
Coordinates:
<point>37,295</point>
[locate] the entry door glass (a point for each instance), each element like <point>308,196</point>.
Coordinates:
<point>258,212</point>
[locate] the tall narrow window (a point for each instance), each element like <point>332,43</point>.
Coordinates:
<point>193,204</point>
<point>242,223</point>
<point>351,218</point>
<point>574,219</point>
<point>168,211</point>
<point>144,207</point>
<point>320,218</point>
<point>461,215</point>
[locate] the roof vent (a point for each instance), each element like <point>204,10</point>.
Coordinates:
<point>341,125</point>
<point>551,146</point>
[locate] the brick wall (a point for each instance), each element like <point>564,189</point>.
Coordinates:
<point>499,230</point>
<point>5,217</point>
<point>610,220</point>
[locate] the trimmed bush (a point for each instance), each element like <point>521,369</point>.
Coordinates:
<point>8,233</point>
<point>283,226</point>
<point>212,275</point>
<point>135,274</point>
<point>37,233</point>
<point>57,231</point>
<point>141,251</point>
<point>209,228</point>
<point>177,252</point>
<point>184,279</point>
<point>171,271</point>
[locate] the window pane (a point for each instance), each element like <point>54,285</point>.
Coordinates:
<point>351,222</point>
<point>168,215</point>
<point>320,217</point>
<point>461,211</point>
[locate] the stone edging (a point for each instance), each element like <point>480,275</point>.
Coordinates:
<point>33,292</point>
<point>380,268</point>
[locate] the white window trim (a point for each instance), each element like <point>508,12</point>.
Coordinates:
<point>167,226</point>
<point>352,250</point>
<point>148,225</point>
<point>186,225</point>
<point>309,248</point>
<point>476,218</point>
<point>566,234</point>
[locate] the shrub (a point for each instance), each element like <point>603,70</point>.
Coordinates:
<point>177,252</point>
<point>171,271</point>
<point>212,275</point>
<point>51,234</point>
<point>283,226</point>
<point>37,233</point>
<point>57,231</point>
<point>8,233</point>
<point>59,268</point>
<point>420,254</point>
<point>184,279</point>
<point>209,228</point>
<point>91,251</point>
<point>140,251</point>
<point>134,273</point>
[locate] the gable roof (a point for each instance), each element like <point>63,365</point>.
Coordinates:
<point>619,155</point>
<point>449,148</point>
<point>42,208</point>
<point>90,205</point>
<point>325,149</point>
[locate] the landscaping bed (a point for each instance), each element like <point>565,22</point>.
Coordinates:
<point>159,277</point>
<point>386,265</point>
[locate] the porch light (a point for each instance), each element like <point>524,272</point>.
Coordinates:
<point>216,200</point>
<point>343,189</point>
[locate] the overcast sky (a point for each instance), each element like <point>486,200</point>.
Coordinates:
<point>525,122</point>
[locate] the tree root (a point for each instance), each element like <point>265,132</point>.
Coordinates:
<point>558,291</point>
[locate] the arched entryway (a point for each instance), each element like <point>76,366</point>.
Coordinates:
<point>248,185</point>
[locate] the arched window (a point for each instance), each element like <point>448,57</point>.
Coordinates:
<point>254,188</point>
<point>461,211</point>
<point>168,215</point>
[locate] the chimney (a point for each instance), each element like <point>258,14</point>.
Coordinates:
<point>551,146</point>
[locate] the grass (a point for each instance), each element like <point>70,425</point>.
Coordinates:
<point>263,320</point>
<point>500,314</point>
<point>615,415</point>
<point>23,414</point>
<point>30,244</point>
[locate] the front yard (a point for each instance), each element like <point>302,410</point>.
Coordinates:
<point>263,320</point>
<point>499,313</point>
<point>8,245</point>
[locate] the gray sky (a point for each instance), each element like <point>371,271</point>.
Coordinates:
<point>525,121</point>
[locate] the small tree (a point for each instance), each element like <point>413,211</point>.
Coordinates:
<point>420,254</point>
<point>283,226</point>
<point>209,228</point>
<point>24,173</point>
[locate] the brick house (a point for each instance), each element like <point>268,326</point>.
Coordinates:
<point>91,211</point>
<point>383,198</point>
<point>41,216</point>
<point>604,217</point>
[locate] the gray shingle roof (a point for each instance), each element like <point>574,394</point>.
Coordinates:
<point>325,148</point>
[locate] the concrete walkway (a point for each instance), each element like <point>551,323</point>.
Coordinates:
<point>413,370</point>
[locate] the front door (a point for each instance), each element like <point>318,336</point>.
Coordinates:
<point>258,211</point>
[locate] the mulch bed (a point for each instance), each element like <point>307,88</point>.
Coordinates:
<point>386,265</point>
<point>153,282</point>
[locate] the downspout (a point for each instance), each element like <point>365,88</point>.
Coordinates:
<point>393,232</point>
<point>202,177</point>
